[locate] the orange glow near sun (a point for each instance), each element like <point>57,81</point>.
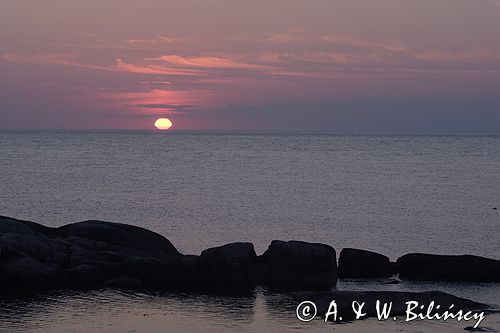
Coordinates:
<point>163,123</point>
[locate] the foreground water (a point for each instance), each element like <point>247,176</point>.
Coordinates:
<point>391,194</point>
<point>261,311</point>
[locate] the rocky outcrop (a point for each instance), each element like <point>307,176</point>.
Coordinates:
<point>96,253</point>
<point>419,266</point>
<point>80,255</point>
<point>117,238</point>
<point>298,264</point>
<point>230,264</point>
<point>354,263</point>
<point>288,265</point>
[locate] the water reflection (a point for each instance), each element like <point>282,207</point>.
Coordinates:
<point>117,311</point>
<point>113,309</point>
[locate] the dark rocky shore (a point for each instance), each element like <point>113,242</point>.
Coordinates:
<point>94,254</point>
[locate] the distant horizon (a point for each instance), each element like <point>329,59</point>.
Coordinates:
<point>245,131</point>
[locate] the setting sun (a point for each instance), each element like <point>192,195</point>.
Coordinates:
<point>163,123</point>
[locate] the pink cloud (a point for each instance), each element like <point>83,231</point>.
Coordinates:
<point>65,59</point>
<point>205,62</point>
<point>294,65</point>
<point>155,70</point>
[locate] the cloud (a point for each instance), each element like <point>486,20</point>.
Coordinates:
<point>71,59</point>
<point>474,56</point>
<point>297,65</point>
<point>205,62</point>
<point>393,46</point>
<point>64,59</point>
<point>98,42</point>
<point>168,107</point>
<point>290,54</point>
<point>285,37</point>
<point>155,69</point>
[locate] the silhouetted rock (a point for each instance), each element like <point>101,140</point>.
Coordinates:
<point>87,276</point>
<point>354,263</point>
<point>116,235</point>
<point>187,272</point>
<point>230,264</point>
<point>479,329</point>
<point>20,270</point>
<point>97,253</point>
<point>299,264</point>
<point>149,270</point>
<point>9,225</point>
<point>448,267</point>
<point>85,254</point>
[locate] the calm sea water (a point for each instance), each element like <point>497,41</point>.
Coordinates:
<point>391,194</point>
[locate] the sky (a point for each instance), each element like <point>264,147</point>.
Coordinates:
<point>344,66</point>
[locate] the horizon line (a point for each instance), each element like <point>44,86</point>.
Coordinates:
<point>251,131</point>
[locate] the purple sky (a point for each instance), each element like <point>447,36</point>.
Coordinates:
<point>360,66</point>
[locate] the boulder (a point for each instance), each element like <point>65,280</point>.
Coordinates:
<point>87,276</point>
<point>22,271</point>
<point>85,254</point>
<point>81,256</point>
<point>296,264</point>
<point>121,235</point>
<point>10,225</point>
<point>39,247</point>
<point>187,272</point>
<point>150,271</point>
<point>230,264</point>
<point>354,263</point>
<point>420,266</point>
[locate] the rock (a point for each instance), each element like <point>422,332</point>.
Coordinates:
<point>354,263</point>
<point>80,256</point>
<point>231,253</point>
<point>125,282</point>
<point>39,247</point>
<point>85,254</point>
<point>479,329</point>
<point>260,272</point>
<point>122,235</point>
<point>420,266</point>
<point>187,272</point>
<point>150,271</point>
<point>85,275</point>
<point>230,264</point>
<point>10,225</point>
<point>94,253</point>
<point>298,264</point>
<point>20,270</point>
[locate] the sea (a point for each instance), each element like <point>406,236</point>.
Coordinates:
<point>393,194</point>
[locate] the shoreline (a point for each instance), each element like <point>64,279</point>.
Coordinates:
<point>97,257</point>
<point>99,253</point>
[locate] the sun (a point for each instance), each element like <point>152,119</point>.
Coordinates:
<point>163,123</point>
